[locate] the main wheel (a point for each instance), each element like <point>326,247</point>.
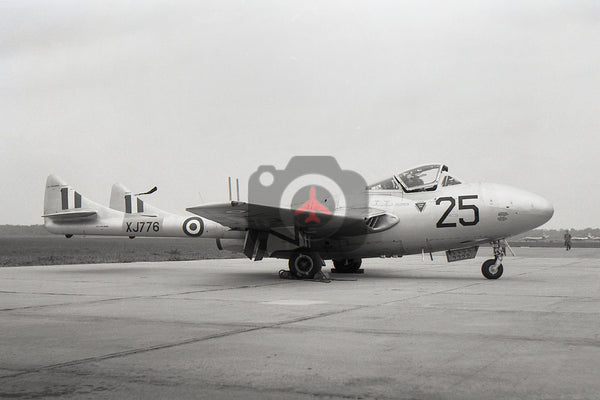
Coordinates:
<point>305,265</point>
<point>347,265</point>
<point>489,270</point>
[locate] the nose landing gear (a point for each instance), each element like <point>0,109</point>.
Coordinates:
<point>492,268</point>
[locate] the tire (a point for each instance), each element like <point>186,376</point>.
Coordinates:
<point>305,265</point>
<point>486,269</point>
<point>347,266</point>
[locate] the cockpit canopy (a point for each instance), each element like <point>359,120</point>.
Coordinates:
<point>419,179</point>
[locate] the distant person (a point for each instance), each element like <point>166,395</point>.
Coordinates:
<point>567,240</point>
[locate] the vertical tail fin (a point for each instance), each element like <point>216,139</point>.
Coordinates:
<point>123,200</point>
<point>61,201</point>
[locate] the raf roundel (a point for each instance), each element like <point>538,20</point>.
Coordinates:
<point>193,226</point>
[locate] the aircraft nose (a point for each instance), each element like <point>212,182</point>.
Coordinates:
<point>534,209</point>
<point>542,207</point>
<point>518,209</point>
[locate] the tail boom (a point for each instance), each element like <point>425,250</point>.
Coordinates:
<point>69,213</point>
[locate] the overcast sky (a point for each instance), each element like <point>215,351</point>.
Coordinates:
<point>182,95</point>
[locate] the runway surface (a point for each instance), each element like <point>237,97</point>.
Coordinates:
<point>406,329</point>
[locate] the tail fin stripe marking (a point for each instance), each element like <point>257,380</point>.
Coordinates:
<point>128,204</point>
<point>64,194</point>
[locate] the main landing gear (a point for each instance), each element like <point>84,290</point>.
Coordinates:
<point>492,268</point>
<point>347,266</point>
<point>305,265</point>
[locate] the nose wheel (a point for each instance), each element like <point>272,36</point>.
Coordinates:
<point>492,268</point>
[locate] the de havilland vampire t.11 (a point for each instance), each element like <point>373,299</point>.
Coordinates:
<point>421,210</point>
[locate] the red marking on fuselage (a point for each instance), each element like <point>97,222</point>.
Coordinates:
<point>311,206</point>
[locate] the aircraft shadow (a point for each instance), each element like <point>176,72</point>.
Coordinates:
<point>251,278</point>
<point>261,277</point>
<point>375,274</point>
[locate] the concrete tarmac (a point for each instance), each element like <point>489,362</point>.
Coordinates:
<point>406,329</point>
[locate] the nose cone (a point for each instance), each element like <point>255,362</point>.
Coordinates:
<point>530,209</point>
<point>541,207</point>
<point>518,210</point>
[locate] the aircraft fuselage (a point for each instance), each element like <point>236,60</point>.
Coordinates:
<point>452,217</point>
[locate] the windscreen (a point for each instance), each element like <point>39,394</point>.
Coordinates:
<point>387,184</point>
<point>420,178</point>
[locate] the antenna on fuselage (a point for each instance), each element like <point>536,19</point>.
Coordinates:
<point>237,189</point>
<point>154,189</point>
<point>229,180</point>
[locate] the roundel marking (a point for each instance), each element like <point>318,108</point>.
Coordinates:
<point>193,226</point>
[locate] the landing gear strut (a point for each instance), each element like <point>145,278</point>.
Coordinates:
<point>492,268</point>
<point>305,265</point>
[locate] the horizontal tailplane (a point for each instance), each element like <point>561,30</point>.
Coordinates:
<point>70,215</point>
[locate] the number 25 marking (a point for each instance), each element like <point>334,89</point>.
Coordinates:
<point>461,206</point>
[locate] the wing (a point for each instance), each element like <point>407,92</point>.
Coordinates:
<point>316,206</point>
<point>312,206</point>
<point>244,216</point>
<point>239,216</point>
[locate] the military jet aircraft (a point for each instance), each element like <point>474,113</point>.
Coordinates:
<point>584,238</point>
<point>418,211</point>
<point>535,238</point>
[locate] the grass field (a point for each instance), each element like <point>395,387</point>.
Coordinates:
<point>53,250</point>
<point>58,250</point>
